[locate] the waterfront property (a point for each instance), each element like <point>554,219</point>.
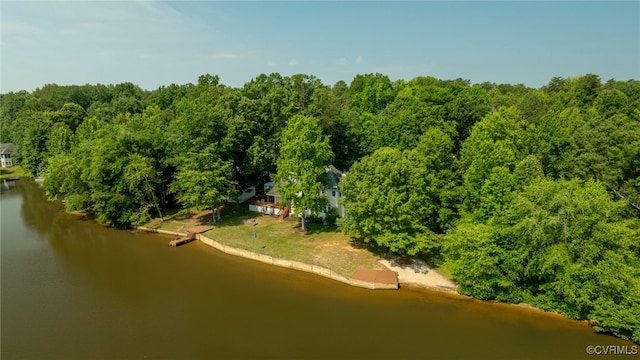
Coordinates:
<point>6,151</point>
<point>131,289</point>
<point>271,204</point>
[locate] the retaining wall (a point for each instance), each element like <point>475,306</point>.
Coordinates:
<point>297,265</point>
<point>159,231</point>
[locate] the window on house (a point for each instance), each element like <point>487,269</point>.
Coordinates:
<point>333,193</point>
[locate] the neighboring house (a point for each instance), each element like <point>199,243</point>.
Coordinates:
<point>273,195</point>
<point>246,194</point>
<point>271,204</point>
<point>6,150</point>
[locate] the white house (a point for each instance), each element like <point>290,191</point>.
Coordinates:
<point>245,195</point>
<point>271,204</point>
<point>6,150</point>
<point>332,191</point>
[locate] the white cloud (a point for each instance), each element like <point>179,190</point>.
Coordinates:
<point>360,60</point>
<point>293,62</point>
<point>342,61</point>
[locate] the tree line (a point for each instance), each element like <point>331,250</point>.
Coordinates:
<point>527,195</point>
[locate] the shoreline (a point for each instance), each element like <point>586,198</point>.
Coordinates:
<point>403,280</point>
<point>286,263</point>
<point>407,277</point>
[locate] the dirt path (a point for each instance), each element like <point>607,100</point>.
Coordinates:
<point>417,273</point>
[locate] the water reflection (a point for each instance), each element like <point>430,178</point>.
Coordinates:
<point>6,186</point>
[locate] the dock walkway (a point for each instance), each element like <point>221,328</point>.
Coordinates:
<point>191,235</point>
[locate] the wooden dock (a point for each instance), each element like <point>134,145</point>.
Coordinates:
<point>183,240</point>
<point>191,235</point>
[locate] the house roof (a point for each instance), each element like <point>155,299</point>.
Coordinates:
<point>7,148</point>
<point>333,177</point>
<point>273,192</point>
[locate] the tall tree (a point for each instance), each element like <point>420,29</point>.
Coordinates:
<point>70,114</point>
<point>203,180</point>
<point>401,200</point>
<point>371,92</point>
<point>304,154</point>
<point>492,143</point>
<point>34,128</point>
<point>467,108</point>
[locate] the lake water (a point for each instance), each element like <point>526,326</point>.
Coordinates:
<point>72,289</point>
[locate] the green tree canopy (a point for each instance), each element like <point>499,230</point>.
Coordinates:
<point>203,180</point>
<point>304,155</point>
<point>399,200</point>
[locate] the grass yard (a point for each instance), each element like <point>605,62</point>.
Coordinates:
<point>14,171</point>
<point>323,246</point>
<point>179,220</point>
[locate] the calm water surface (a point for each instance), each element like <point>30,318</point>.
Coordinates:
<point>72,289</point>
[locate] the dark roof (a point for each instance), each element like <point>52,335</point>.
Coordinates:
<point>7,148</point>
<point>333,177</point>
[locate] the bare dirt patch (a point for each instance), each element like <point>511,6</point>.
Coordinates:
<point>351,249</point>
<point>251,222</point>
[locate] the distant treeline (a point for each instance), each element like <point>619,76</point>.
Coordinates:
<point>527,195</point>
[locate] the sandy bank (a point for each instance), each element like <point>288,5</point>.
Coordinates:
<point>417,273</point>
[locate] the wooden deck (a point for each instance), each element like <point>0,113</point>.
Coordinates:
<point>264,203</point>
<point>377,276</point>
<point>191,235</point>
<point>284,213</point>
<point>183,240</point>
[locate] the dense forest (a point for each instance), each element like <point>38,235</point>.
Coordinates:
<point>527,195</point>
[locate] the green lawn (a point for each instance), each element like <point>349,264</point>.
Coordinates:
<point>179,220</point>
<point>14,171</point>
<point>323,246</point>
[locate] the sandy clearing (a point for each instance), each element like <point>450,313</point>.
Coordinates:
<point>407,275</point>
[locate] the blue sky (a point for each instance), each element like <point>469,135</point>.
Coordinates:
<point>155,43</point>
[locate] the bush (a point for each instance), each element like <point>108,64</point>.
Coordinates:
<point>331,217</point>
